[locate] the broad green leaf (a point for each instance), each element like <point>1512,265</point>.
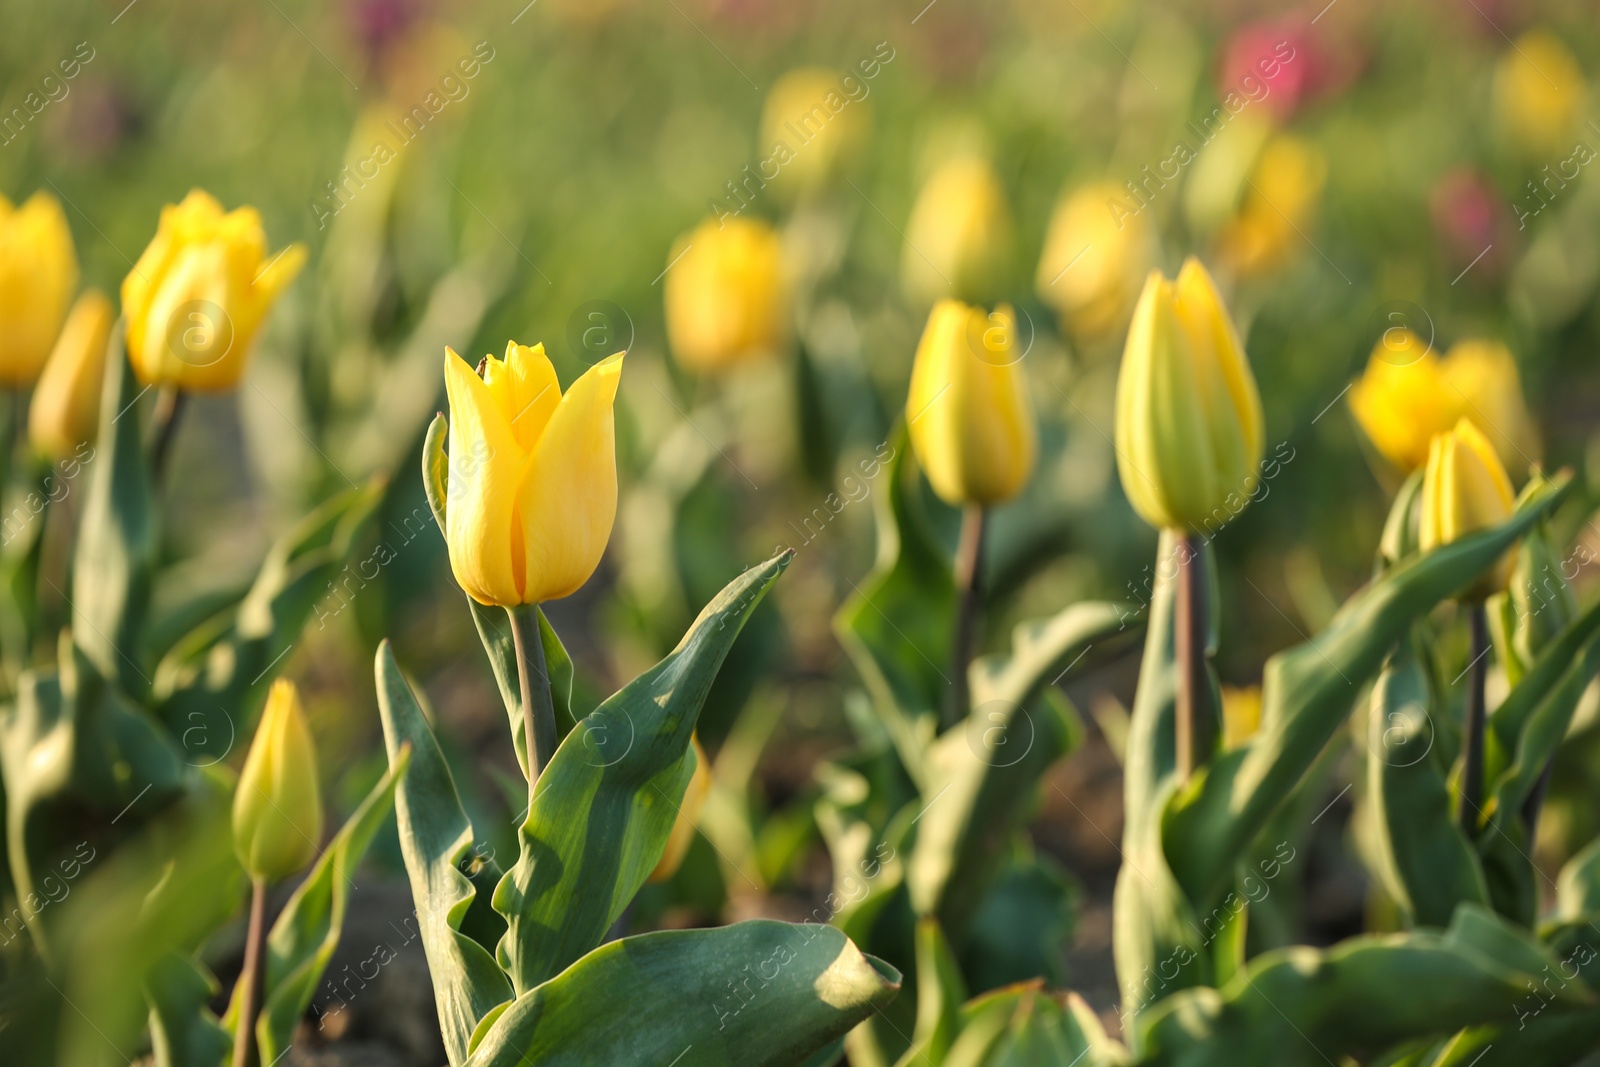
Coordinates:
<point>1308,691</point>
<point>21,552</point>
<point>940,996</point>
<point>307,931</point>
<point>1429,866</point>
<point>1578,885</point>
<point>117,537</point>
<point>183,1032</point>
<point>1536,1038</point>
<point>755,994</point>
<point>603,808</point>
<point>1026,1026</point>
<point>438,842</point>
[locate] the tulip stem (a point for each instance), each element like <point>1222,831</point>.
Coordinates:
<point>969,606</point>
<point>538,707</point>
<point>1472,743</point>
<point>1195,723</point>
<point>169,408</point>
<point>253,976</point>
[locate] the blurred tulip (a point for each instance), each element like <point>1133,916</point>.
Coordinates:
<point>972,427</point>
<point>65,410</point>
<point>277,806</point>
<point>1189,425</point>
<point>38,275</point>
<point>1093,262</point>
<point>1471,220</point>
<point>199,293</point>
<point>683,827</point>
<point>1407,395</point>
<point>1241,714</point>
<point>1271,64</point>
<point>532,488</point>
<point>1465,489</point>
<point>1538,92</point>
<point>958,240</point>
<point>810,113</point>
<point>725,295</point>
<point>1280,206</point>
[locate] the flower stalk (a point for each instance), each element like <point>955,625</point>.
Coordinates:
<point>170,402</point>
<point>1472,741</point>
<point>538,706</point>
<point>969,607</point>
<point>253,975</point>
<point>1196,721</point>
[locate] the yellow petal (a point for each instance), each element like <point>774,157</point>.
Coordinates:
<point>65,410</point>
<point>525,386</point>
<point>38,275</point>
<point>1465,489</point>
<point>277,805</point>
<point>486,468</point>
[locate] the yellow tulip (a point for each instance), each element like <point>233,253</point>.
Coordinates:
<point>532,488</point>
<point>725,299</point>
<point>199,293</point>
<point>1280,204</point>
<point>971,424</point>
<point>1465,489</point>
<point>38,274</point>
<point>1407,395</point>
<point>683,828</point>
<point>958,238</point>
<point>1189,432</point>
<point>277,807</point>
<point>1538,92</point>
<point>1093,262</point>
<point>810,127</point>
<point>65,410</point>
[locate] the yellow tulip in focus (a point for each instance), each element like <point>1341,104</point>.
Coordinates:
<point>532,488</point>
<point>811,127</point>
<point>1407,395</point>
<point>1538,92</point>
<point>38,274</point>
<point>1093,262</point>
<point>1189,427</point>
<point>1465,489</point>
<point>277,807</point>
<point>683,828</point>
<point>971,424</point>
<point>65,410</point>
<point>725,300</point>
<point>199,293</point>
<point>1279,208</point>
<point>959,236</point>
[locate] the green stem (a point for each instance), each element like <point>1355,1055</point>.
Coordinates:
<point>969,606</point>
<point>169,408</point>
<point>1472,743</point>
<point>1196,720</point>
<point>253,976</point>
<point>538,707</point>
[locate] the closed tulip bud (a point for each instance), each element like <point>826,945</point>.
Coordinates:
<point>1538,92</point>
<point>1189,431</point>
<point>65,411</point>
<point>813,123</point>
<point>958,240</point>
<point>277,808</point>
<point>971,424</point>
<point>725,299</point>
<point>199,293</point>
<point>1465,489</point>
<point>1094,260</point>
<point>38,274</point>
<point>532,489</point>
<point>1279,207</point>
<point>683,828</point>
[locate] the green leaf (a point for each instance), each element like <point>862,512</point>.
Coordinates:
<point>438,843</point>
<point>755,994</point>
<point>606,802</point>
<point>1537,1038</point>
<point>940,995</point>
<point>21,552</point>
<point>1023,927</point>
<point>1026,1026</point>
<point>1578,885</point>
<point>303,938</point>
<point>183,1032</point>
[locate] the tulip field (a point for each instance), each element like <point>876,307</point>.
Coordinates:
<point>718,534</point>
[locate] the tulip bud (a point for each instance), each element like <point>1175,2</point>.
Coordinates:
<point>1093,261</point>
<point>1241,714</point>
<point>971,424</point>
<point>532,489</point>
<point>810,128</point>
<point>683,828</point>
<point>725,299</point>
<point>1538,92</point>
<point>199,293</point>
<point>1279,207</point>
<point>958,240</point>
<point>277,809</point>
<point>65,411</point>
<point>1465,489</point>
<point>1189,431</point>
<point>38,274</point>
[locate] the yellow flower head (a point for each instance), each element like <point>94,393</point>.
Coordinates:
<point>65,410</point>
<point>958,239</point>
<point>199,293</point>
<point>1093,262</point>
<point>1189,426</point>
<point>532,489</point>
<point>683,828</point>
<point>1538,92</point>
<point>277,805</point>
<point>38,275</point>
<point>725,298</point>
<point>1279,208</point>
<point>1465,489</point>
<point>971,424</point>
<point>811,126</point>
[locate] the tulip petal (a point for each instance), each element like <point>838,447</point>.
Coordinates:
<point>525,386</point>
<point>486,468</point>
